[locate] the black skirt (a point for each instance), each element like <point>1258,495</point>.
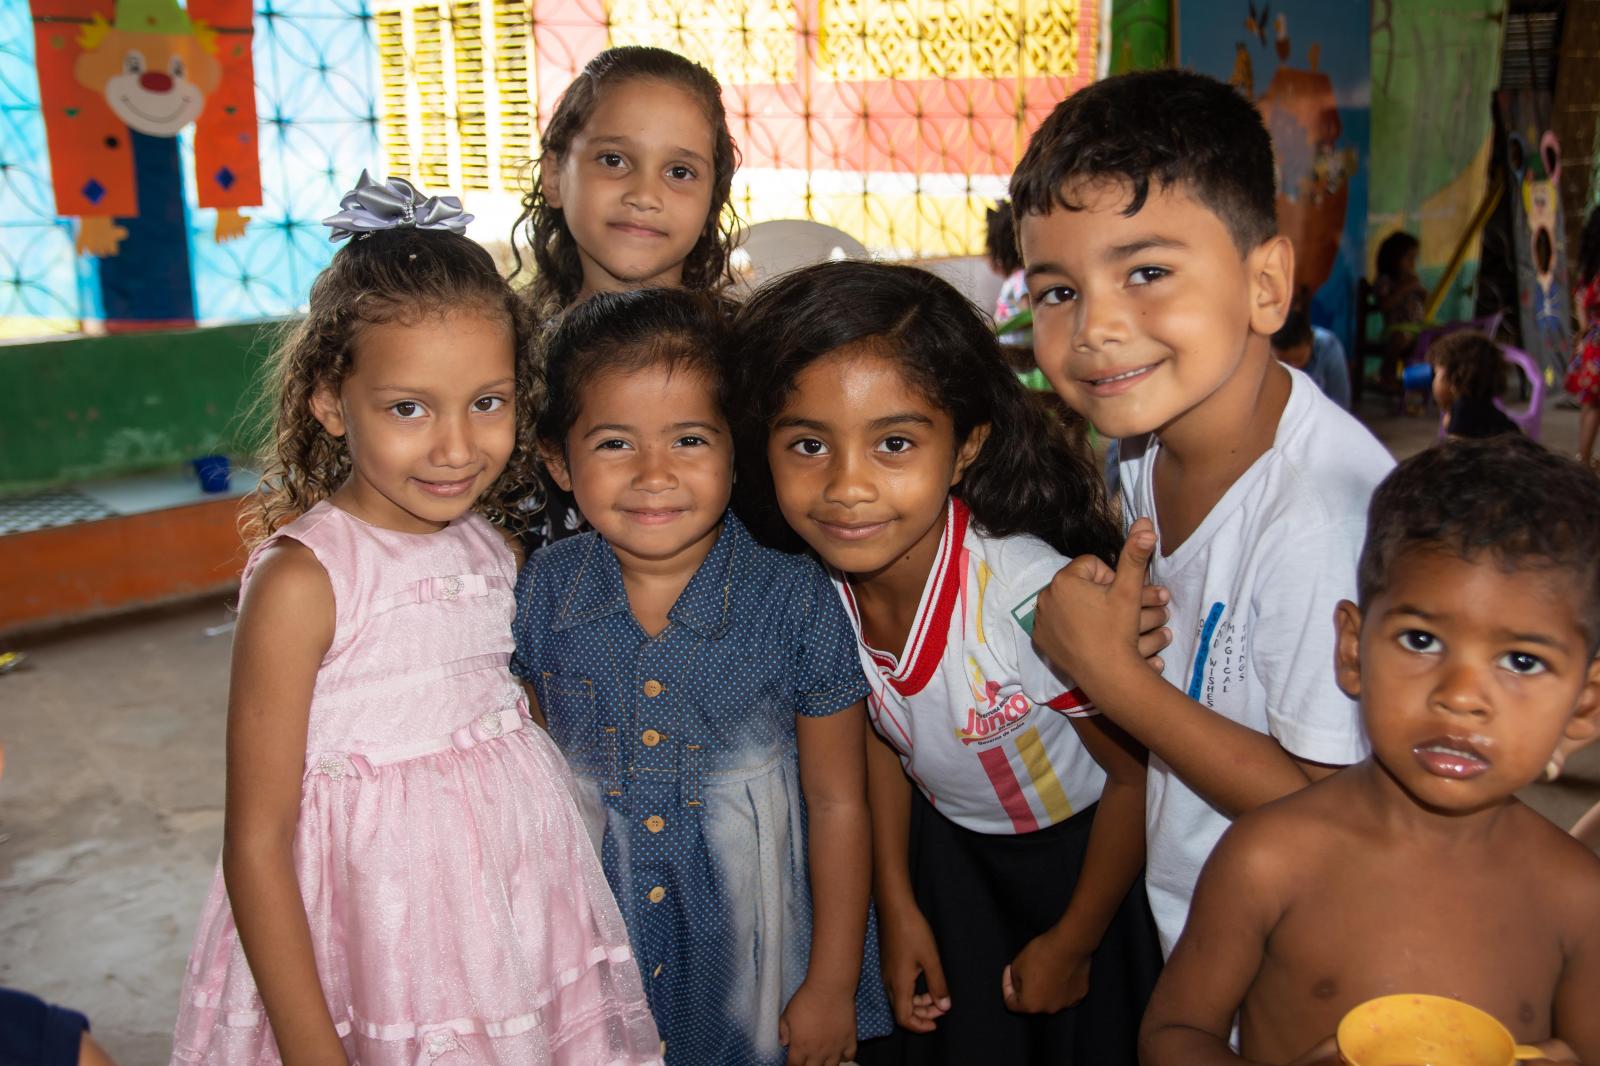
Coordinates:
<point>985,896</point>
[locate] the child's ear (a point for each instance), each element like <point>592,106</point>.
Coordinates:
<point>326,409</point>
<point>969,450</point>
<point>550,179</point>
<point>1271,268</point>
<point>1347,648</point>
<point>555,461</point>
<point>1582,724</point>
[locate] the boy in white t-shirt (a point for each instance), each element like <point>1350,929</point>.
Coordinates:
<point>1146,211</point>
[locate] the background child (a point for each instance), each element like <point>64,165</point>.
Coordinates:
<point>1472,654</point>
<point>404,873</point>
<point>1000,242</point>
<point>1146,208</point>
<point>1317,352</point>
<point>707,694</point>
<point>1583,379</point>
<point>1402,301</point>
<point>632,191</point>
<point>907,456</point>
<point>1469,372</point>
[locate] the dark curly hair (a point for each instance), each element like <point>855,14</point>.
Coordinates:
<point>1030,476</point>
<point>1171,127</point>
<point>625,332</point>
<point>1000,239</point>
<point>1471,362</point>
<point>1393,251</point>
<point>399,275</point>
<point>1504,498</point>
<point>558,272</point>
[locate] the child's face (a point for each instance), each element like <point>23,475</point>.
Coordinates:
<point>863,463</point>
<point>1468,675</point>
<point>428,414</point>
<point>1139,320</point>
<point>635,185</point>
<point>650,460</point>
<point>1443,394</point>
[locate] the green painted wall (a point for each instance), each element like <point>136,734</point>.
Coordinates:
<point>1435,65</point>
<point>94,407</point>
<point>1141,35</point>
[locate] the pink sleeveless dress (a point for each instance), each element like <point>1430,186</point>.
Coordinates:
<point>458,911</point>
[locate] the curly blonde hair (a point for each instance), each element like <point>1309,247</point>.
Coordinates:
<point>399,275</point>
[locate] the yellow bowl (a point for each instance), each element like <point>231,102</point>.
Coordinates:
<point>1418,1030</point>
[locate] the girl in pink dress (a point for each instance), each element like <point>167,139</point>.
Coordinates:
<point>404,876</point>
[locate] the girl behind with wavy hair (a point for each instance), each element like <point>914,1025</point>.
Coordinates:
<point>632,187</point>
<point>404,874</point>
<point>903,451</point>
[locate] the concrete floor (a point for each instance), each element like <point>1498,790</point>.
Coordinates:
<point>111,805</point>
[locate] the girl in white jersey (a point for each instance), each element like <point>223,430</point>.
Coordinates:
<point>902,451</point>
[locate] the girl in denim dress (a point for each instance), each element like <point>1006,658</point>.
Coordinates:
<point>707,693</point>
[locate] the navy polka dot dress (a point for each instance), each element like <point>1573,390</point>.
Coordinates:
<point>683,745</point>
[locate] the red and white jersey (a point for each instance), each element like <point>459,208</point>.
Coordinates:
<point>979,719</point>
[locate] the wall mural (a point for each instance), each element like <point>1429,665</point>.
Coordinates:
<point>1532,158</point>
<point>1306,65</point>
<point>1434,68</point>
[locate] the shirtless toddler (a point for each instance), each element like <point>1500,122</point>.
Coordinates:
<point>1418,870</point>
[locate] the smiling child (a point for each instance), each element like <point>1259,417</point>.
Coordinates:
<point>1471,652</point>
<point>1146,213</point>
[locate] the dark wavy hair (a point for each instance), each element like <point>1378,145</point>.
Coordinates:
<point>1471,362</point>
<point>1589,247</point>
<point>623,333</point>
<point>1506,498</point>
<point>1170,127</point>
<point>1392,251</point>
<point>1030,476</point>
<point>558,272</point>
<point>400,275</point>
<point>1000,238</point>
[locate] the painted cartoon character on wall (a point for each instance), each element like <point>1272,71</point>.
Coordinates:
<point>117,85</point>
<point>1532,157</point>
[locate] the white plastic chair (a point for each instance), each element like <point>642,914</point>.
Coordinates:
<point>784,244</point>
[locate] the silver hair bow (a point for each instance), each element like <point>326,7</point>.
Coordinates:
<point>395,203</point>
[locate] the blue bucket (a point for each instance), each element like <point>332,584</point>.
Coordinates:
<point>213,471</point>
<point>1418,377</point>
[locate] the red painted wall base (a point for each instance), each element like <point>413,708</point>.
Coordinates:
<point>71,573</point>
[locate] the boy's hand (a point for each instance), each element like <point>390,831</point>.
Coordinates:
<point>819,1026</point>
<point>1153,614</point>
<point>909,952</point>
<point>1088,629</point>
<point>1050,973</point>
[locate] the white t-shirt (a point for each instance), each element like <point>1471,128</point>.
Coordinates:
<point>979,719</point>
<point>1253,596</point>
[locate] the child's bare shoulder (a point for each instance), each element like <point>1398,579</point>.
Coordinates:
<point>1292,836</point>
<point>1568,875</point>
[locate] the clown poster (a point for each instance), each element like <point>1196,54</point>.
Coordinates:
<point>118,81</point>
